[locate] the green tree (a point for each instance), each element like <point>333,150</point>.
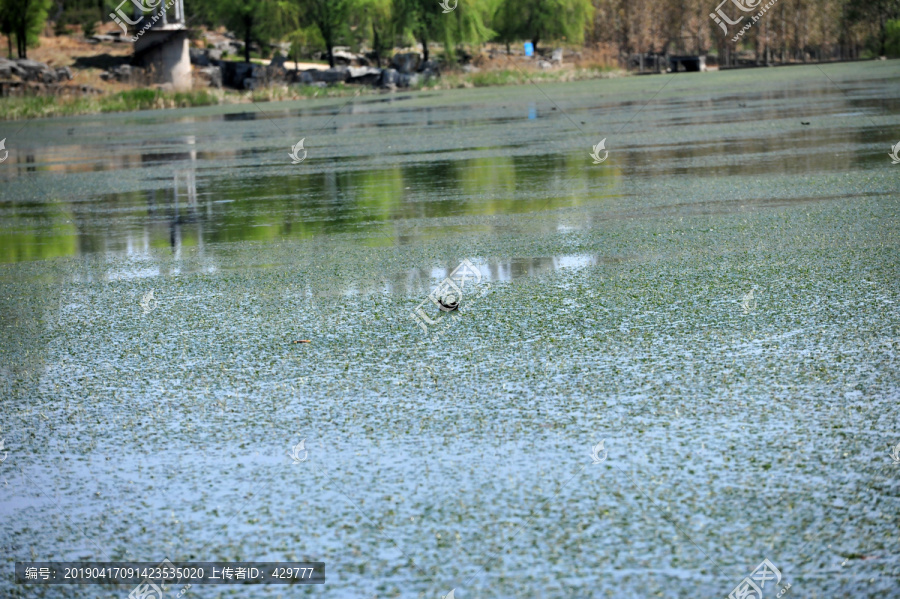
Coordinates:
<point>378,18</point>
<point>331,19</point>
<point>537,20</point>
<point>25,20</point>
<point>254,20</point>
<point>426,21</point>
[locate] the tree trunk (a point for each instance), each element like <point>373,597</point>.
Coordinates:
<point>376,46</point>
<point>9,44</point>
<point>329,43</point>
<point>424,41</point>
<point>507,49</point>
<point>248,26</point>
<point>534,42</point>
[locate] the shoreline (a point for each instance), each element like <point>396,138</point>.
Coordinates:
<point>19,108</point>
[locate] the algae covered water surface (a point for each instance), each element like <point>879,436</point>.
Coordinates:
<point>716,301</point>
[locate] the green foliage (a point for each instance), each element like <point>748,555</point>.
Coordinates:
<point>29,107</point>
<point>330,17</point>
<point>537,20</point>
<point>425,21</point>
<point>376,25</point>
<point>23,19</point>
<point>892,38</point>
<point>251,20</point>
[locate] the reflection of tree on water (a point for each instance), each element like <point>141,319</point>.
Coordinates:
<point>388,204</point>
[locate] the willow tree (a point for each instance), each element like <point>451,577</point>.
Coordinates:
<point>330,17</point>
<point>537,20</point>
<point>426,21</point>
<point>377,17</point>
<point>253,20</point>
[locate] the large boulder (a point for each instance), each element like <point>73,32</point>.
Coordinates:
<point>8,68</point>
<point>407,62</point>
<point>364,75</point>
<point>303,77</point>
<point>211,75</point>
<point>388,78</point>
<point>278,61</point>
<point>407,79</point>
<point>36,71</point>
<point>334,75</point>
<point>122,73</point>
<point>199,57</point>
<point>234,73</point>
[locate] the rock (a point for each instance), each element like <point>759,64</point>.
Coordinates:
<point>342,57</point>
<point>32,70</point>
<point>331,75</point>
<point>252,83</point>
<point>122,73</point>
<point>430,65</point>
<point>64,73</point>
<point>278,61</point>
<point>557,56</point>
<point>406,63</point>
<point>165,87</point>
<point>543,64</point>
<point>8,68</point>
<point>407,80</point>
<point>215,54</point>
<point>234,73</point>
<point>199,57</point>
<point>212,75</point>
<point>364,75</point>
<point>109,39</point>
<point>469,69</point>
<point>304,77</point>
<point>388,78</point>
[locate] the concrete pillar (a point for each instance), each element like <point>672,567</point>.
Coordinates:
<point>166,53</point>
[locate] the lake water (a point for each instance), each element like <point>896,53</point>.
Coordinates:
<point>717,301</point>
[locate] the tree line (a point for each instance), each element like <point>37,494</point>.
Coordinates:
<point>791,30</point>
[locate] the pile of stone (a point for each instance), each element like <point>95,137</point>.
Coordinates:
<point>406,70</point>
<point>32,70</point>
<point>124,73</point>
<point>24,76</point>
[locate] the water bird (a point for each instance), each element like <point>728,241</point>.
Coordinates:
<point>804,122</point>
<point>741,105</point>
<point>449,302</point>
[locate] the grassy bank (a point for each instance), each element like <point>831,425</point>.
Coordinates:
<point>31,107</point>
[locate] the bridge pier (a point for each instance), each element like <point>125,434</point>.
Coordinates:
<point>165,52</point>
